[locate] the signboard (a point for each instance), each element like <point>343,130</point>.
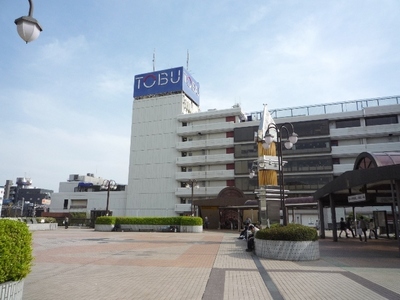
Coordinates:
<point>46,201</point>
<point>384,200</point>
<point>356,198</point>
<point>167,81</point>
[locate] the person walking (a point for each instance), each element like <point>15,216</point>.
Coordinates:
<point>206,222</point>
<point>372,229</point>
<point>348,226</point>
<point>66,222</point>
<point>343,228</point>
<point>362,228</point>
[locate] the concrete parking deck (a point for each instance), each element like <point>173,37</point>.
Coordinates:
<point>213,265</point>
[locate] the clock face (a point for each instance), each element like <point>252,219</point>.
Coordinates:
<point>261,165</point>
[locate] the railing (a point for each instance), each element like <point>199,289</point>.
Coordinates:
<point>330,108</point>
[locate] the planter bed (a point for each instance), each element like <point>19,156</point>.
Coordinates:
<point>11,290</point>
<point>287,250</point>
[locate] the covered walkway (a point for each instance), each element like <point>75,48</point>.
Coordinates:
<point>375,181</point>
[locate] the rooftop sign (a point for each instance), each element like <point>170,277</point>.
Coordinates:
<point>167,81</point>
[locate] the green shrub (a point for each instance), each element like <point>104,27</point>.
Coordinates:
<point>15,250</point>
<point>291,232</point>
<point>78,215</point>
<point>105,220</point>
<point>186,221</point>
<point>191,221</point>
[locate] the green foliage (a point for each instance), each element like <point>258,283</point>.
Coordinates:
<point>78,215</point>
<point>186,221</point>
<point>274,225</point>
<point>191,221</point>
<point>291,232</point>
<point>106,220</point>
<point>15,250</point>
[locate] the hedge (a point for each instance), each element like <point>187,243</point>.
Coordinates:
<point>185,221</point>
<point>291,232</point>
<point>15,250</point>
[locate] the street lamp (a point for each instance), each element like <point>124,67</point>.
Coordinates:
<point>28,27</point>
<point>292,138</point>
<point>109,185</point>
<point>192,183</point>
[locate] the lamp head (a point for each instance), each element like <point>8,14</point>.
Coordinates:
<point>28,28</point>
<point>293,138</point>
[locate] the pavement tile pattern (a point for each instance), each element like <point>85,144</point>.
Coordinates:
<point>85,264</point>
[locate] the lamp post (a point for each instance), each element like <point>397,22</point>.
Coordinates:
<point>192,183</point>
<point>292,138</point>
<point>109,185</point>
<point>28,27</point>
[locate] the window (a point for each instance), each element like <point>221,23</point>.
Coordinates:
<point>383,120</point>
<point>230,183</point>
<point>230,166</point>
<point>243,167</point>
<point>309,164</point>
<point>246,183</point>
<point>311,146</point>
<point>65,203</point>
<point>184,139</point>
<point>246,150</point>
<point>184,154</point>
<point>230,134</point>
<point>311,182</point>
<point>184,124</point>
<point>311,128</point>
<point>78,204</point>
<point>183,169</point>
<point>348,123</point>
<point>334,143</point>
<point>245,134</point>
<point>230,150</point>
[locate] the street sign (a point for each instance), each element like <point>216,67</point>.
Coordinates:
<point>357,198</point>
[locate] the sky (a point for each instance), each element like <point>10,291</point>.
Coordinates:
<point>66,98</point>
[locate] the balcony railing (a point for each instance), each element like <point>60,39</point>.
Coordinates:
<point>329,108</point>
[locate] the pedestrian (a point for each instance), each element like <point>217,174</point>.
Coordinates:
<point>250,239</point>
<point>206,222</point>
<point>372,229</point>
<point>362,228</point>
<point>343,228</point>
<point>66,222</point>
<point>349,227</point>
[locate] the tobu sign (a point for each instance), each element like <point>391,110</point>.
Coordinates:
<point>166,81</point>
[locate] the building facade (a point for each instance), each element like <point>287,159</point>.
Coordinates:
<point>174,144</point>
<point>87,193</point>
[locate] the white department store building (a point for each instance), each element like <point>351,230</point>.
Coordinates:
<point>173,142</point>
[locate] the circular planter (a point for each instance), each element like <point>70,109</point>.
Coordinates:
<point>11,290</point>
<point>287,250</point>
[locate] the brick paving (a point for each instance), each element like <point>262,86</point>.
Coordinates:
<point>213,265</point>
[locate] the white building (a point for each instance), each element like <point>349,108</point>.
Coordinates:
<point>173,143</point>
<point>84,193</point>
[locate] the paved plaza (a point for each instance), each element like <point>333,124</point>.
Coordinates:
<point>85,264</point>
